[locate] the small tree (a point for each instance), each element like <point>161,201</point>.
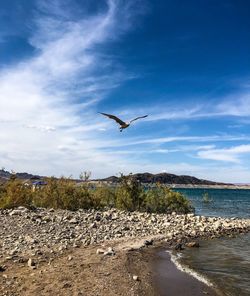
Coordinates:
<point>129,193</point>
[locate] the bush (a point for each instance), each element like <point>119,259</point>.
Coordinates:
<point>65,193</point>
<point>103,196</point>
<point>130,194</point>
<point>15,194</point>
<point>206,198</point>
<point>164,200</point>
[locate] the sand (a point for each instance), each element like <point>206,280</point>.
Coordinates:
<point>81,271</point>
<point>168,280</point>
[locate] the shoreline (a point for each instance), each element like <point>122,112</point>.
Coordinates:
<point>106,275</point>
<point>106,249</point>
<point>82,271</point>
<point>171,280</point>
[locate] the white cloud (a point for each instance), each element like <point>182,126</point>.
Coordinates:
<point>227,154</point>
<point>190,139</point>
<point>48,123</point>
<point>236,105</point>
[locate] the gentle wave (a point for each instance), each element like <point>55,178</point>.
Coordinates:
<point>226,261</point>
<point>175,258</point>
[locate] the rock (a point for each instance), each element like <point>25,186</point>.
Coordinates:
<point>153,219</point>
<point>135,278</point>
<point>2,269</point>
<point>148,242</point>
<point>19,211</point>
<point>217,225</point>
<point>98,217</point>
<point>66,285</point>
<point>100,251</point>
<point>13,252</point>
<point>15,212</point>
<point>93,225</point>
<point>110,252</point>
<point>178,247</point>
<point>30,239</point>
<point>43,233</point>
<point>73,221</point>
<point>31,263</point>
<point>70,258</point>
<point>169,235</point>
<point>193,244</point>
<point>46,219</point>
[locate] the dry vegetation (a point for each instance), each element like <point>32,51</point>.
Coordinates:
<point>64,193</point>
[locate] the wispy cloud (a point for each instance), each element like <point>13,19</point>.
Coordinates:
<point>235,105</point>
<point>58,86</point>
<point>48,102</point>
<point>227,154</point>
<point>189,139</point>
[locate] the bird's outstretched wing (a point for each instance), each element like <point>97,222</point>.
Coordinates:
<point>138,118</point>
<point>118,120</point>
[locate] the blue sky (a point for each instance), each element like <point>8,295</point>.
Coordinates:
<point>185,63</point>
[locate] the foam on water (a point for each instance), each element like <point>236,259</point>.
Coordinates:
<point>175,258</point>
<point>224,261</point>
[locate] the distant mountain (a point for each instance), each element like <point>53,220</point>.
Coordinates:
<point>165,178</point>
<point>5,175</point>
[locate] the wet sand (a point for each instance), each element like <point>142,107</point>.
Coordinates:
<point>170,281</point>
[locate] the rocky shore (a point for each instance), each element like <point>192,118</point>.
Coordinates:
<point>25,233</point>
<point>32,239</point>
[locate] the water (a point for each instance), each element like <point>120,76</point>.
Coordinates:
<point>224,202</point>
<point>224,261</point>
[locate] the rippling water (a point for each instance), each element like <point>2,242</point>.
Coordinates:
<point>225,261</point>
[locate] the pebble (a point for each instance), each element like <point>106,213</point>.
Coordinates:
<point>193,245</point>
<point>110,252</point>
<point>40,232</point>
<point>31,263</point>
<point>100,251</point>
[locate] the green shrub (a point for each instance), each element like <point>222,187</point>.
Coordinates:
<point>15,194</point>
<point>103,196</point>
<point>65,193</point>
<point>206,198</point>
<point>129,194</point>
<point>164,200</point>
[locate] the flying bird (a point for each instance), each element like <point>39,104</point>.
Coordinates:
<point>122,124</point>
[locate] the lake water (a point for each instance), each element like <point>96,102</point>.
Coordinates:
<point>224,261</point>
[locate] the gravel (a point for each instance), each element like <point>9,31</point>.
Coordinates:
<point>27,234</point>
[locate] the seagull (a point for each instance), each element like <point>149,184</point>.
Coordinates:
<point>122,124</point>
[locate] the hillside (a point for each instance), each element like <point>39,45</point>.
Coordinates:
<point>163,178</point>
<point>5,175</point>
<point>166,178</point>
